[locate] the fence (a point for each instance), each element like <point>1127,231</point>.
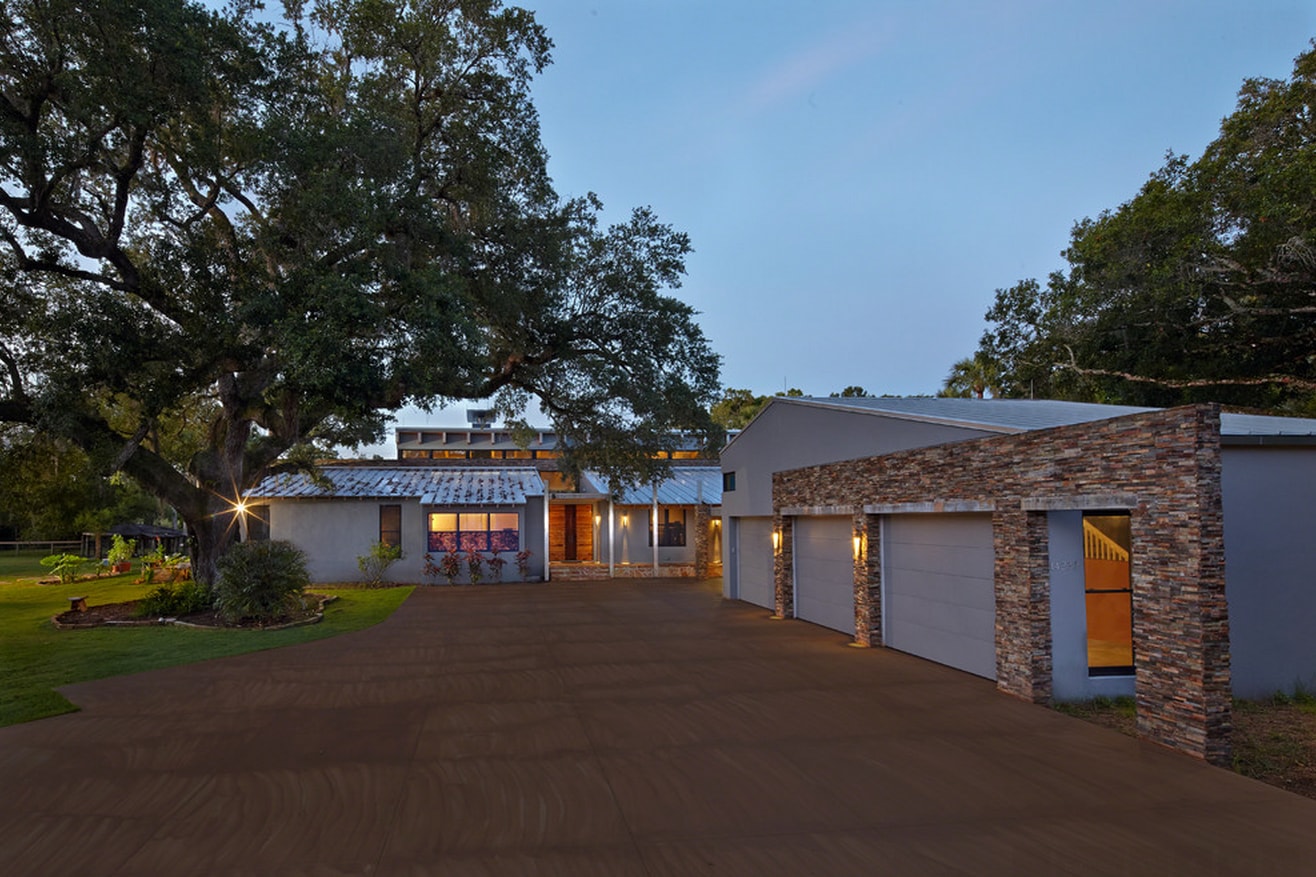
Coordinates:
<point>51,547</point>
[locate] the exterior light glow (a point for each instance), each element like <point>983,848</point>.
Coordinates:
<point>776,541</point>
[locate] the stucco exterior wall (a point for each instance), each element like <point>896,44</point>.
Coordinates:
<point>334,532</point>
<point>1270,559</point>
<point>1164,467</point>
<point>788,435</point>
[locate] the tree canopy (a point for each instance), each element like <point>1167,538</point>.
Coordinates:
<point>282,234</point>
<point>1201,287</point>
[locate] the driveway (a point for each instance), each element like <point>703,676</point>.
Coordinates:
<point>610,728</point>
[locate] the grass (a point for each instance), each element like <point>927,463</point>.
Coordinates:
<point>22,565</point>
<point>1274,739</point>
<point>35,658</point>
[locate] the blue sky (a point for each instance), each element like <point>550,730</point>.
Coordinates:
<point>858,178</point>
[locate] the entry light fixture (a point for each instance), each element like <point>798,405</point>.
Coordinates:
<point>858,545</point>
<point>776,541</point>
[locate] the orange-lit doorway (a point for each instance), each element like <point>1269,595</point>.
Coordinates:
<point>1108,584</point>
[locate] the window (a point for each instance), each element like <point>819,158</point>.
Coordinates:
<point>1109,593</point>
<point>671,528</point>
<point>474,531</point>
<point>390,524</point>
<point>728,482</point>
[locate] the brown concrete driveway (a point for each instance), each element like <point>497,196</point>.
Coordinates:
<point>609,728</point>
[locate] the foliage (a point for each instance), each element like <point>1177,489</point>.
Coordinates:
<point>177,598</point>
<point>496,564</point>
<point>736,408</point>
<point>37,658</point>
<point>376,563</point>
<point>1200,288</point>
<point>450,565</point>
<point>225,244</point>
<point>51,489</point>
<point>261,580</point>
<point>973,376</point>
<point>66,566</point>
<point>121,549</point>
<point>523,563</point>
<point>474,567</point>
<point>431,570</point>
<point>851,392</point>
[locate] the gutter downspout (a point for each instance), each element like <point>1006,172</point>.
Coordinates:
<point>547,574</point>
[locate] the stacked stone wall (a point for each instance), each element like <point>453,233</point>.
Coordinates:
<point>1163,467</point>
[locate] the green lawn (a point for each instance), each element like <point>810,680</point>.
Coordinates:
<point>23,565</point>
<point>35,658</point>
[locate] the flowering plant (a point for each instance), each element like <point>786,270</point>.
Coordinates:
<point>523,563</point>
<point>475,563</point>
<point>496,565</point>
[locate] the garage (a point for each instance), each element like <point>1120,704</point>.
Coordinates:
<point>824,571</point>
<point>754,581</point>
<point>939,597</point>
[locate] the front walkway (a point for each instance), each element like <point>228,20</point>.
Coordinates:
<point>613,728</point>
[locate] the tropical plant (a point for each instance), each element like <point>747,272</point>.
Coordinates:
<point>178,598</point>
<point>121,550</point>
<point>523,563</point>
<point>374,564</point>
<point>66,566</point>
<point>260,580</point>
<point>496,564</point>
<point>475,567</point>
<point>450,564</point>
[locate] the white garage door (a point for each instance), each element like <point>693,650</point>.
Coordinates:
<point>754,562</point>
<point>940,602</point>
<point>824,572</point>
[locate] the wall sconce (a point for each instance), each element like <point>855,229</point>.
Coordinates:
<point>625,519</point>
<point>858,545</point>
<point>776,541</point>
<point>598,519</point>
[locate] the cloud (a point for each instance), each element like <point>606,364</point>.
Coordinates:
<point>803,72</point>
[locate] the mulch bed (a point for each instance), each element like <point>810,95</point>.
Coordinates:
<point>127,615</point>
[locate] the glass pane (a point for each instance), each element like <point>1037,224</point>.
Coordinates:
<point>445,541</point>
<point>477,540</point>
<point>471,521</point>
<point>504,521</point>
<point>442,521</point>
<point>1110,629</point>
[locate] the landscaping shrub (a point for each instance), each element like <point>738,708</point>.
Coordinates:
<point>66,566</point>
<point>181,598</point>
<point>381,557</point>
<point>261,580</point>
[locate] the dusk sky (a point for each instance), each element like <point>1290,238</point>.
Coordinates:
<point>858,178</point>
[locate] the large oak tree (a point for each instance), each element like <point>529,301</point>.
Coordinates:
<point>295,229</point>
<point>1201,287</point>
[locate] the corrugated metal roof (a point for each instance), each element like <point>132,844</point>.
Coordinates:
<point>688,485</point>
<point>432,486</point>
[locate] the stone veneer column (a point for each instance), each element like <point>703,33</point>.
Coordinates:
<point>1023,604</point>
<point>703,517</point>
<point>1180,617</point>
<point>783,567</point>
<point>868,581</point>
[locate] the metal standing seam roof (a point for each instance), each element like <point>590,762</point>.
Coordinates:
<point>1022,415</point>
<point>432,486</point>
<point>687,485</point>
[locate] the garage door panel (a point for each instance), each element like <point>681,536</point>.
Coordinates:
<point>940,599</point>
<point>938,641</point>
<point>824,572</point>
<point>939,589</point>
<point>754,574</point>
<point>921,557</point>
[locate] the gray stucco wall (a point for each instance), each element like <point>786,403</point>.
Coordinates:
<point>1069,643</point>
<point>790,435</point>
<point>1269,498</point>
<point>333,533</point>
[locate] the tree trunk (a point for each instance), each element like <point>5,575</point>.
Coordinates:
<point>212,535</point>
